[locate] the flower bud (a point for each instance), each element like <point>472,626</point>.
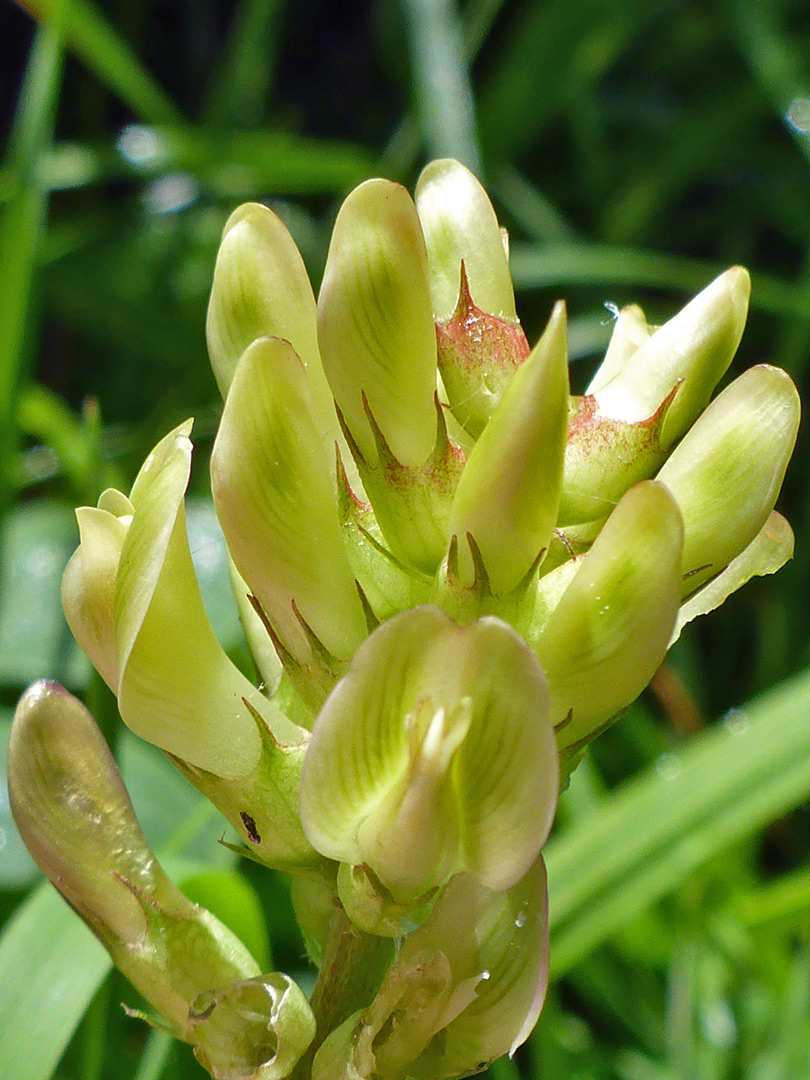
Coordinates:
<point>261,289</point>
<point>277,506</point>
<point>75,816</point>
<point>460,225</point>
<point>375,324</point>
<point>466,988</point>
<point>605,457</point>
<point>726,473</point>
<point>427,753</point>
<point>691,351</point>
<point>509,493</point>
<point>610,630</point>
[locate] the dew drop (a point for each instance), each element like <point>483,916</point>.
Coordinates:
<point>520,920</point>
<point>735,722</point>
<point>485,975</point>
<point>797,115</point>
<point>668,767</point>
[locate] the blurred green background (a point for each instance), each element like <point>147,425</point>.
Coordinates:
<point>633,149</point>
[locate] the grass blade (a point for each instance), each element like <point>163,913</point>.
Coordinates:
<point>106,53</point>
<point>20,230</point>
<point>660,827</point>
<point>51,966</point>
<point>560,265</point>
<point>441,81</point>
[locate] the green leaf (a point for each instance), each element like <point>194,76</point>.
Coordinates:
<point>660,827</point>
<point>51,966</point>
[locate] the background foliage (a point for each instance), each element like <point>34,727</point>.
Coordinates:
<point>633,149</point>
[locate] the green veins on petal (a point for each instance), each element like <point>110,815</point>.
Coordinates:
<point>460,224</point>
<point>443,727</point>
<point>177,688</point>
<point>375,323</point>
<point>608,633</point>
<point>278,507</point>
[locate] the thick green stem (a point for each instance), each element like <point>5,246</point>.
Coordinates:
<point>353,967</point>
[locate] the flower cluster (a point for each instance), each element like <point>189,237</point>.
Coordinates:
<point>452,573</point>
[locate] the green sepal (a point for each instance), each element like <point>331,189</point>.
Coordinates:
<point>610,630</point>
<point>466,988</point>
<point>460,226</point>
<point>177,688</point>
<point>427,753</point>
<point>768,552</point>
<point>605,457</point>
<point>254,1029</point>
<point>388,585</point>
<point>375,323</point>
<point>412,505</point>
<point>304,684</point>
<point>466,602</point>
<point>570,542</point>
<point>691,351</point>
<point>64,785</point>
<point>727,471</point>
<point>260,643</point>
<point>277,506</point>
<point>262,806</point>
<point>509,492</point>
<point>478,354</point>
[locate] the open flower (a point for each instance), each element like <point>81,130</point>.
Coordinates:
<point>453,574</point>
